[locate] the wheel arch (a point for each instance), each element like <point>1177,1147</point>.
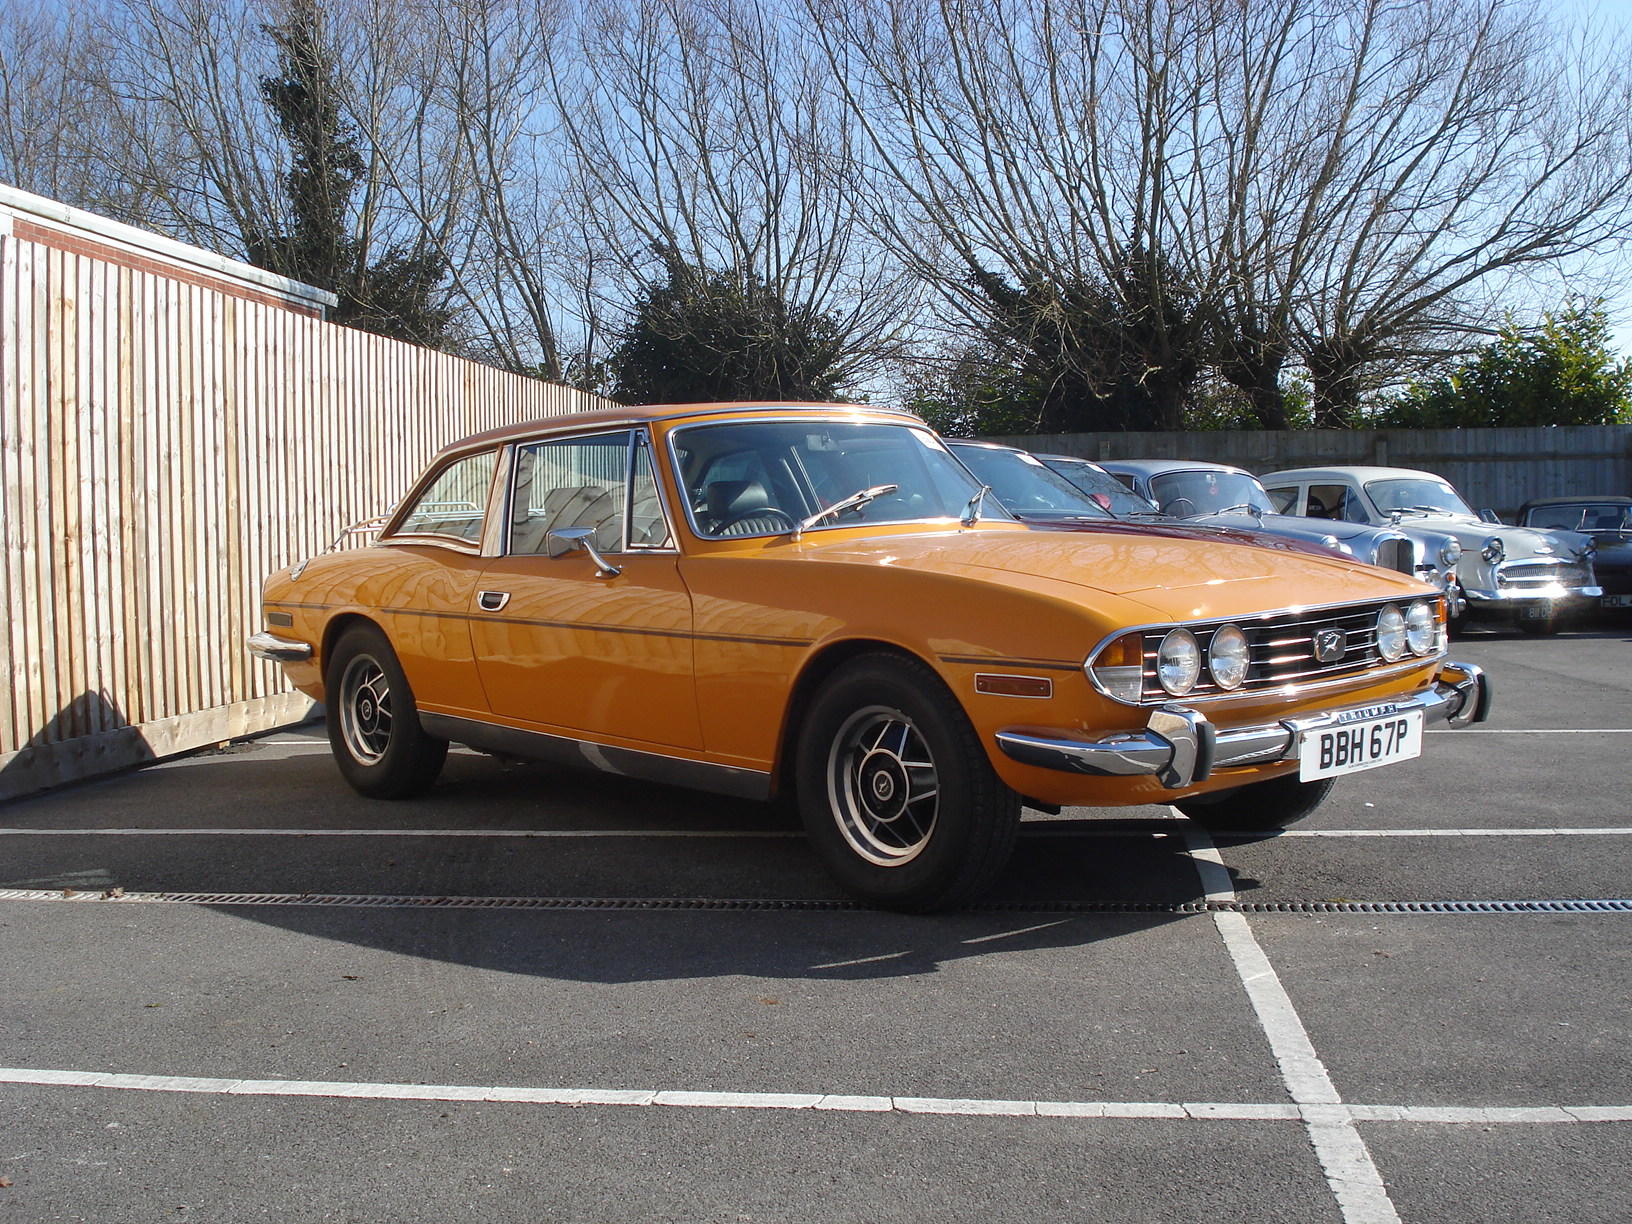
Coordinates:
<point>817,669</point>
<point>332,632</point>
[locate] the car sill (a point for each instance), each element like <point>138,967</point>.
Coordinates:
<point>626,762</point>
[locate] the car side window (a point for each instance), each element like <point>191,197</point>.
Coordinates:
<point>648,526</point>
<point>456,502</point>
<point>571,482</point>
<point>1285,499</point>
<point>1335,501</point>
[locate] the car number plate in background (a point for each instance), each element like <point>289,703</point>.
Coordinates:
<point>1351,747</point>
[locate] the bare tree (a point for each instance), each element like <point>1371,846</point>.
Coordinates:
<point>705,137</point>
<point>1468,145</point>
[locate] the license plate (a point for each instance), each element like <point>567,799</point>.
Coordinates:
<point>1363,744</point>
<point>1537,612</point>
<point>1618,601</point>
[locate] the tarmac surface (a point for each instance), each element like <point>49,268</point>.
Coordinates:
<point>234,991</point>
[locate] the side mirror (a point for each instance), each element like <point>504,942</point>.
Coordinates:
<point>562,540</point>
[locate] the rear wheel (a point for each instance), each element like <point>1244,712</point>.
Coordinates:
<point>373,723</point>
<point>896,791</point>
<point>1259,807</point>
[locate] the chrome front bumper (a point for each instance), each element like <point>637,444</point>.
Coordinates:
<point>1181,747</point>
<point>279,650</point>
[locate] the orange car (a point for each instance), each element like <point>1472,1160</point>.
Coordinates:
<point>820,601</point>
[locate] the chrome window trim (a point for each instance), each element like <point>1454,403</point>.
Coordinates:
<point>1250,621</point>
<point>643,442</point>
<point>860,417</point>
<point>388,532</point>
<point>427,539</point>
<point>639,436</point>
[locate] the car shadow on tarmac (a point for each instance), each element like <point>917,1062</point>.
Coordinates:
<point>535,870</point>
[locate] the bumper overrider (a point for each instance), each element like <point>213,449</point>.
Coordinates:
<point>278,650</point>
<point>1181,747</point>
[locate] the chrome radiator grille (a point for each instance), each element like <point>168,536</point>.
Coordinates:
<point>1397,554</point>
<point>1541,573</point>
<point>1282,648</point>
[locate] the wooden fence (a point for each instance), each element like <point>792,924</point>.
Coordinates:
<point>165,445</point>
<point>1496,468</point>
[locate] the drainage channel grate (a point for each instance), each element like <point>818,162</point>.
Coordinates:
<point>367,901</point>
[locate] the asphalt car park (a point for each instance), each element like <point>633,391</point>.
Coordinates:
<point>235,990</point>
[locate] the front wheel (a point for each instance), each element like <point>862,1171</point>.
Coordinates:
<point>895,789</point>
<point>373,724</point>
<point>1258,807</point>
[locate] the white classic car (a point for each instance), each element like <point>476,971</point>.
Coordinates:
<point>1534,576</point>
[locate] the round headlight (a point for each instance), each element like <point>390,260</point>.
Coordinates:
<point>1333,543</point>
<point>1178,662</point>
<point>1494,550</point>
<point>1391,634</point>
<point>1227,657</point>
<point>1420,629</point>
<point>1450,552</point>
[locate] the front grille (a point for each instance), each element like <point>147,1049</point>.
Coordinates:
<point>1396,554</point>
<point>1281,648</point>
<point>1541,573</point>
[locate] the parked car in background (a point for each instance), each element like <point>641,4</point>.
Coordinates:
<point>820,601</point>
<point>1218,493</point>
<point>1100,485</point>
<point>1608,521</point>
<point>1536,577</point>
<point>1034,493</point>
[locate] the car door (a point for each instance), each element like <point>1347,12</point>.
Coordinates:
<point>593,635</point>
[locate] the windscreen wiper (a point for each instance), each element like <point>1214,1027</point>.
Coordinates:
<point>857,499</point>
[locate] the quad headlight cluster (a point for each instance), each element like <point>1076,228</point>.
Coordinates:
<point>1182,662</point>
<point>1180,659</point>
<point>1415,630</point>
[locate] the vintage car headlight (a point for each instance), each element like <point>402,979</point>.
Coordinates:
<point>1178,662</point>
<point>1228,657</point>
<point>1450,553</point>
<point>1391,634</point>
<point>1119,669</point>
<point>1494,550</point>
<point>1333,543</point>
<point>1421,629</point>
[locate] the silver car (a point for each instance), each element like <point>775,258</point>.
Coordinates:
<point>1534,576</point>
<point>1230,496</point>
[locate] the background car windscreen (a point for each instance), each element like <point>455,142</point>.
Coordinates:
<point>1025,486</point>
<point>1097,484</point>
<point>1415,493</point>
<point>1188,494</point>
<point>769,475</point>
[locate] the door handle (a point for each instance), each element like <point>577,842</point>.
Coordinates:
<point>492,601</point>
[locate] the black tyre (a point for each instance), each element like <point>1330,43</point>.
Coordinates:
<point>1259,807</point>
<point>896,791</point>
<point>374,728</point>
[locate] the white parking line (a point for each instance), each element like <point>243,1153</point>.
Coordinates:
<point>1324,1115</point>
<point>1344,1158</point>
<point>1030,830</point>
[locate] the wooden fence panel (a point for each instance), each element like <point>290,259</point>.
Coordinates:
<point>164,446</point>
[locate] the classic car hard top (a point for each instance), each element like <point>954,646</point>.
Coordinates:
<point>642,414</point>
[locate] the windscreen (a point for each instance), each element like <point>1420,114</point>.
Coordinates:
<point>1025,486</point>
<point>1194,494</point>
<point>1416,494</point>
<point>764,477</point>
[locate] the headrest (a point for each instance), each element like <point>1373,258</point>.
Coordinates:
<point>728,498</point>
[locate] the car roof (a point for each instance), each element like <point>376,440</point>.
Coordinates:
<point>1093,463</point>
<point>645,414</point>
<point>1609,499</point>
<point>1157,467</point>
<point>1350,472</point>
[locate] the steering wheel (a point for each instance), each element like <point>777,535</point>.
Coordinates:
<point>1172,507</point>
<point>720,529</point>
